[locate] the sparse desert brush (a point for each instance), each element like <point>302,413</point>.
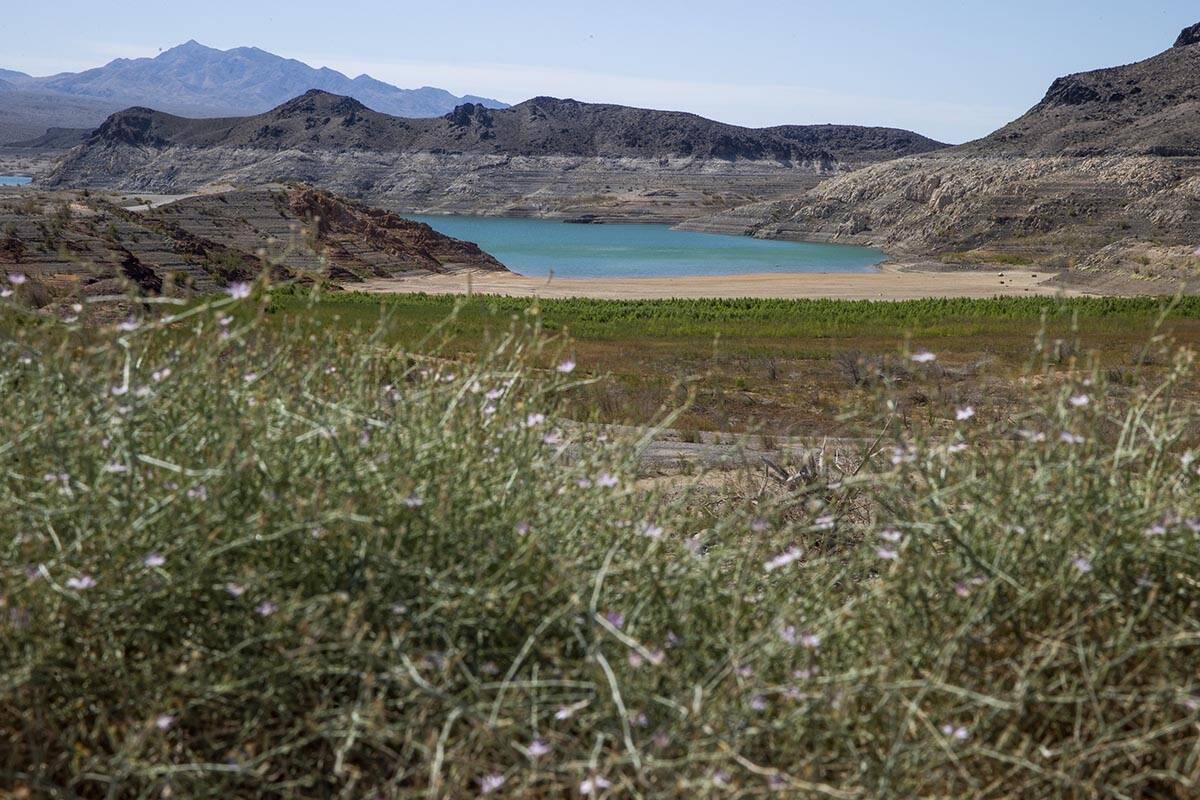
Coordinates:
<point>245,560</point>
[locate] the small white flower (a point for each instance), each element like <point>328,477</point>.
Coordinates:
<point>16,278</point>
<point>887,554</point>
<point>594,785</point>
<point>81,582</point>
<point>924,357</point>
<point>266,608</point>
<point>119,391</point>
<point>160,375</point>
<point>414,501</point>
<point>533,420</point>
<point>786,558</point>
<point>1080,400</point>
<point>129,325</point>
<point>652,531</point>
<point>956,732</point>
<point>491,783</point>
<point>964,414</point>
<point>1066,437</point>
<point>891,535</point>
<point>154,560</point>
<point>607,481</point>
<point>1082,563</point>
<point>164,722</point>
<point>235,589</point>
<point>811,640</point>
<point>538,748</point>
<point>566,367</point>
<point>6,292</point>
<point>239,290</point>
<point>1036,437</point>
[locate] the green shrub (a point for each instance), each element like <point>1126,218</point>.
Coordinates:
<point>242,561</point>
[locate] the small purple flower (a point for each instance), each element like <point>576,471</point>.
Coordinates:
<point>1082,563</point>
<point>607,481</point>
<point>235,589</point>
<point>154,560</point>
<point>759,525</point>
<point>566,367</point>
<point>266,608</point>
<point>758,703</point>
<point>538,748</point>
<point>523,528</point>
<point>615,618</point>
<point>811,640</point>
<point>534,420</point>
<point>16,278</point>
<point>887,554</point>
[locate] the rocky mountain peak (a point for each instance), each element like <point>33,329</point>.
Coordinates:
<point>317,101</point>
<point>1190,36</point>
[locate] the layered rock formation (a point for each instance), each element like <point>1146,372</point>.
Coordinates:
<point>545,157</point>
<point>1107,162</point>
<point>72,243</point>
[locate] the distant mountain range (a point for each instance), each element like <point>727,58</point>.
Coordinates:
<point>199,81</point>
<point>544,157</point>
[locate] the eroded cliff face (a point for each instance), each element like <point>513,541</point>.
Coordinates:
<point>72,244</point>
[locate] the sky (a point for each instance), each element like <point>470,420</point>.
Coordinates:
<point>953,70</point>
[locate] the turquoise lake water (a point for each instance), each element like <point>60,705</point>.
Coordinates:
<point>13,180</point>
<point>538,247</point>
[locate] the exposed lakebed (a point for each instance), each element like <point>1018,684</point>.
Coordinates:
<point>536,248</point>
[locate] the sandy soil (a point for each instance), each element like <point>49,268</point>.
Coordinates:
<point>889,283</point>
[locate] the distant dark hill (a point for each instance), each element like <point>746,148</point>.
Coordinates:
<point>540,127</point>
<point>194,80</point>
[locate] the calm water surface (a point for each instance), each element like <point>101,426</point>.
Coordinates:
<point>537,247</point>
<point>14,180</point>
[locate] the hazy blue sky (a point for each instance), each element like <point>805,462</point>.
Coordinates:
<point>953,70</point>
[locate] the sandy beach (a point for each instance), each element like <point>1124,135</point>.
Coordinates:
<point>889,283</point>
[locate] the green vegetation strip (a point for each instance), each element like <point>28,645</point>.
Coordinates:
<point>682,318</point>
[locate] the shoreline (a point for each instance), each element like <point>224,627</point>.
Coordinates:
<point>889,281</point>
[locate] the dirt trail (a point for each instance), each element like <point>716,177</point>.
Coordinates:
<point>890,283</point>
